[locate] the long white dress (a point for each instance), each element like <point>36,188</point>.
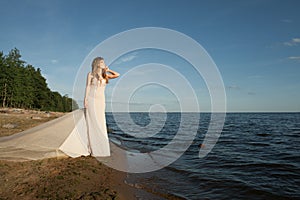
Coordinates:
<point>89,137</point>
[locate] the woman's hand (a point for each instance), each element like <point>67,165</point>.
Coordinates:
<point>112,74</point>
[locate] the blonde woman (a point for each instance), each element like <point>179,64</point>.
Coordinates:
<point>94,102</point>
<point>89,136</point>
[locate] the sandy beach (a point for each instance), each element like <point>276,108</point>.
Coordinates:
<point>16,120</point>
<point>64,178</point>
<point>55,178</point>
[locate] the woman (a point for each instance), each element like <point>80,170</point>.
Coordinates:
<point>89,136</point>
<point>94,102</point>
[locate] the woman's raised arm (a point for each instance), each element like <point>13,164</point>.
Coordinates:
<point>112,74</point>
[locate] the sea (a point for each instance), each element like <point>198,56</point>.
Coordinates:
<point>257,156</point>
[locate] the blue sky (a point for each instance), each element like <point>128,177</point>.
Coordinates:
<point>255,45</point>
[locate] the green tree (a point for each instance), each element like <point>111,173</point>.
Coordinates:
<point>58,101</point>
<point>23,86</point>
<point>3,80</point>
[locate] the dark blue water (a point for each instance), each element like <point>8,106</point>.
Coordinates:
<point>256,157</point>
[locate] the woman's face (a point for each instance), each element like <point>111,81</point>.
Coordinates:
<point>101,64</point>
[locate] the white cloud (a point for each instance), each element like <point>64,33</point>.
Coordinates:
<point>293,42</point>
<point>127,58</point>
<point>294,57</point>
<point>288,44</point>
<point>296,40</point>
<point>286,20</point>
<point>54,61</point>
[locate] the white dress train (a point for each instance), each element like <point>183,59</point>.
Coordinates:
<point>89,136</point>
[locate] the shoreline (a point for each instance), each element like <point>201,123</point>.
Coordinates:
<point>57,177</point>
<point>34,179</point>
<point>73,178</point>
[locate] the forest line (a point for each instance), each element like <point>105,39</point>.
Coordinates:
<point>23,86</point>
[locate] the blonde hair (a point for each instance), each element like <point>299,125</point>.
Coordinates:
<point>94,69</point>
